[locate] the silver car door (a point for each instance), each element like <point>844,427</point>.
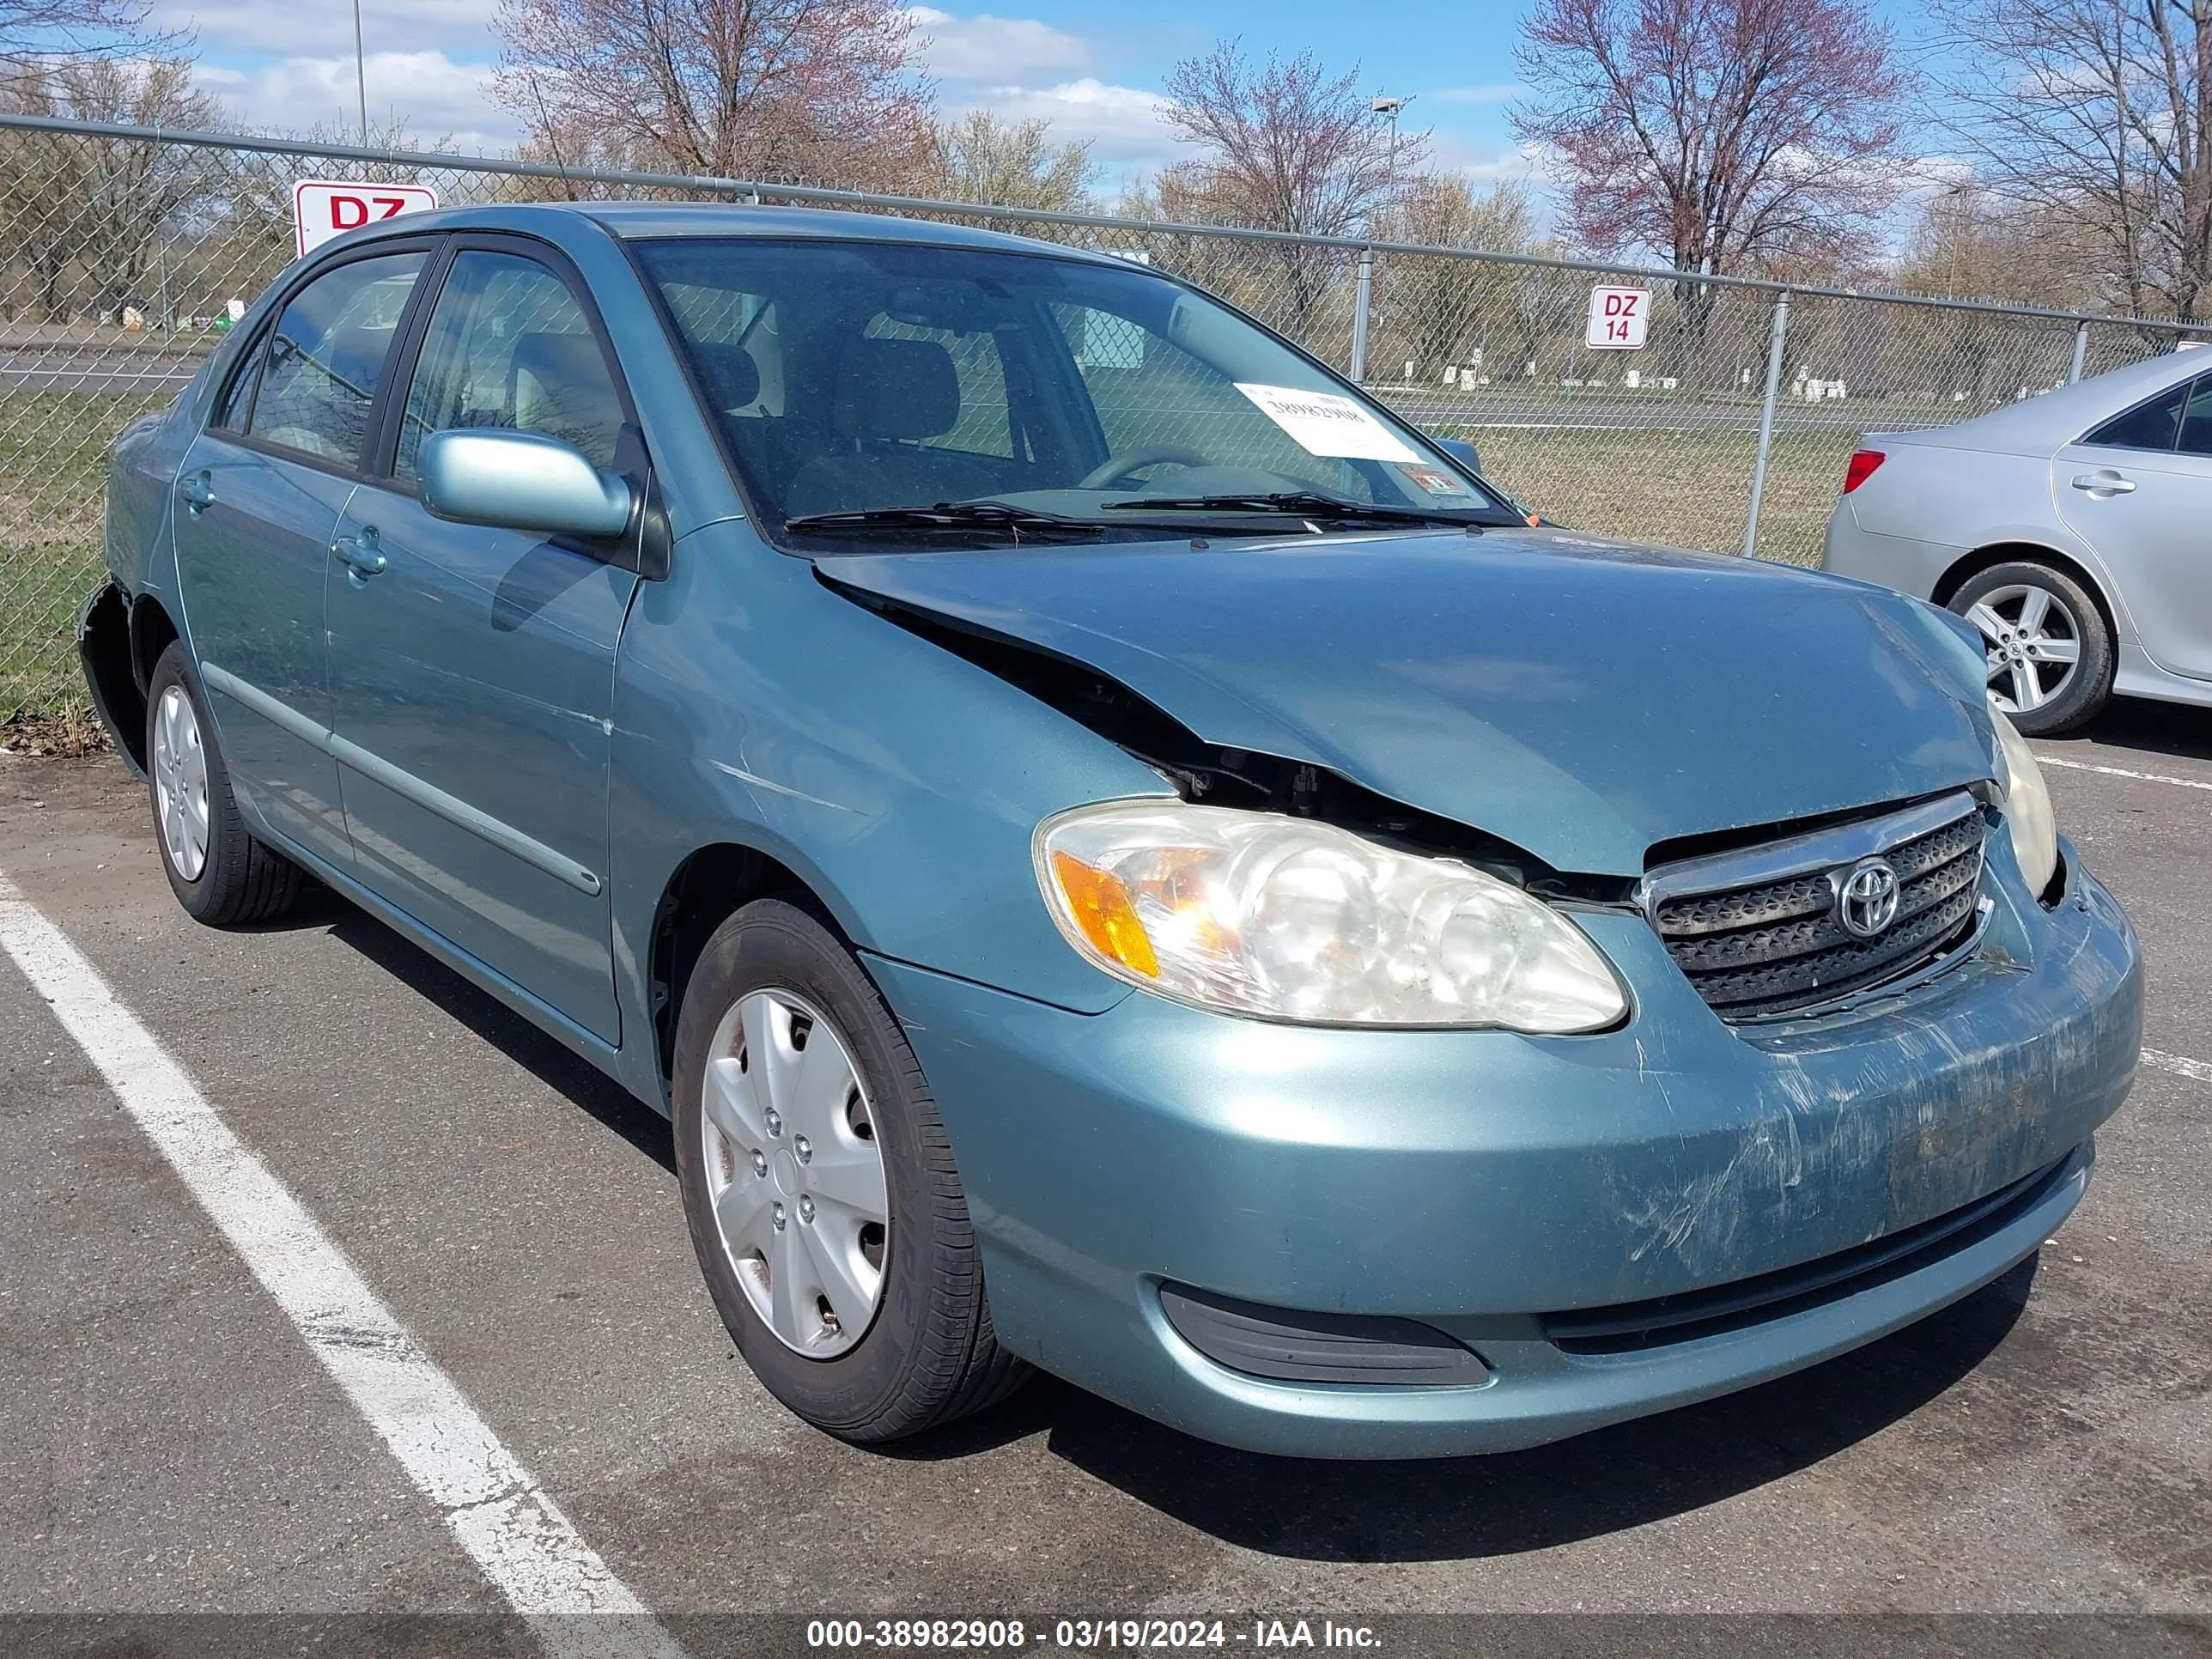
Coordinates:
<point>2146,506</point>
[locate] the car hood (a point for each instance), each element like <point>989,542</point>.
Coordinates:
<point>1581,698</point>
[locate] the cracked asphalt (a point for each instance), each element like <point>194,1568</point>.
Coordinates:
<point>168,1445</point>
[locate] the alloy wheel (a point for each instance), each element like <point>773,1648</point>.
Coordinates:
<point>2032,642</point>
<point>795,1172</point>
<point>180,783</point>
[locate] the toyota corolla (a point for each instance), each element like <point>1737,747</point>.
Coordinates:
<point>1119,855</point>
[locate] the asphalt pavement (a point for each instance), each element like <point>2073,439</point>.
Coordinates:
<point>173,1441</point>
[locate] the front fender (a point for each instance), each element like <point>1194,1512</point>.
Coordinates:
<point>903,784</point>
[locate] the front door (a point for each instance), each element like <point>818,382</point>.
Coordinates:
<point>259,497</point>
<point>2139,490</point>
<point>472,668</point>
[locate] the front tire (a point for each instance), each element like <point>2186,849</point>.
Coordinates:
<point>2050,656</point>
<point>820,1191</point>
<point>219,873</point>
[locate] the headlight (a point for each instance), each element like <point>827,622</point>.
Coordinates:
<point>1291,920</point>
<point>2026,805</point>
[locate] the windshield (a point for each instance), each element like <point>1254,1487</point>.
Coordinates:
<point>851,378</point>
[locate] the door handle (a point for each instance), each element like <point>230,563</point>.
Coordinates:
<point>359,554</point>
<point>198,492</point>
<point>2105,482</point>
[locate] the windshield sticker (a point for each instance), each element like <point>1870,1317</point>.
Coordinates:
<point>1328,423</point>
<point>1436,481</point>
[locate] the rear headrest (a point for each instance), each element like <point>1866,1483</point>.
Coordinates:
<point>728,375</point>
<point>895,389</point>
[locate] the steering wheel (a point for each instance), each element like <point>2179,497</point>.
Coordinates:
<point>1116,468</point>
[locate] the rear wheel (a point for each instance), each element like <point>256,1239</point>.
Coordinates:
<point>219,873</point>
<point>2050,657</point>
<point>820,1190</point>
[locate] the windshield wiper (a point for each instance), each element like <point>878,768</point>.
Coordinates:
<point>1300,503</point>
<point>968,517</point>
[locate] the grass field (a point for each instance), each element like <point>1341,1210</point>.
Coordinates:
<point>1683,489</point>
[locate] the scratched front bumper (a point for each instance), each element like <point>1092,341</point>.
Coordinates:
<point>1479,1181</point>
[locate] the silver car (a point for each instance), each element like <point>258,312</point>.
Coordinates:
<point>2074,530</point>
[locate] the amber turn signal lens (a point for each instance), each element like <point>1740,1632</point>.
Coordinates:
<point>1100,906</point>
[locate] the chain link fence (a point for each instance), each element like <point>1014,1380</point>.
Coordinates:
<point>125,253</point>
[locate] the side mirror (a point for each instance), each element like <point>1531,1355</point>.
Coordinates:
<point>1462,451</point>
<point>518,481</point>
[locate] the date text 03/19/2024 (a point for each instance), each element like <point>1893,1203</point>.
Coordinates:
<point>1014,1634</point>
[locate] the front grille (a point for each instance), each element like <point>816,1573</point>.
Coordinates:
<point>1759,931</point>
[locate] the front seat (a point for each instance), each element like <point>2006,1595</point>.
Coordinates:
<point>558,385</point>
<point>888,394</point>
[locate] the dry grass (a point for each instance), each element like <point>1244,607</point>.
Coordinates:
<point>73,730</point>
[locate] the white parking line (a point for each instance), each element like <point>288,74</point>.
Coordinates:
<point>508,1524</point>
<point>2177,1064</point>
<point>2122,772</point>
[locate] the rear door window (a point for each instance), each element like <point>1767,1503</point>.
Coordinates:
<point>327,353</point>
<point>2151,425</point>
<point>2197,419</point>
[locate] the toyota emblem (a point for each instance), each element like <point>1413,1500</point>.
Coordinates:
<point>1866,899</point>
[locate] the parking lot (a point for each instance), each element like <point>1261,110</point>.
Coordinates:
<point>169,1443</point>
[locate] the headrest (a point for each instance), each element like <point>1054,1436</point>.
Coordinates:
<point>895,389</point>
<point>560,360</point>
<point>728,375</point>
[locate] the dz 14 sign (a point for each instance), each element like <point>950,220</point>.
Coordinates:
<point>1617,317</point>
<point>323,208</point>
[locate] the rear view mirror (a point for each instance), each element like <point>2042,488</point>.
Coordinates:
<point>518,481</point>
<point>1462,451</point>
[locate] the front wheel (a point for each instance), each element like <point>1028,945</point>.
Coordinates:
<point>820,1190</point>
<point>2050,657</point>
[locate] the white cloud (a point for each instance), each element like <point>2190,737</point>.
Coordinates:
<point>436,96</point>
<point>317,27</point>
<point>1124,124</point>
<point>996,49</point>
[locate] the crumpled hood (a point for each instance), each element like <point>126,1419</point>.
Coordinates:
<point>1581,698</point>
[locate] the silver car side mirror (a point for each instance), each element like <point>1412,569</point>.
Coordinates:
<point>518,481</point>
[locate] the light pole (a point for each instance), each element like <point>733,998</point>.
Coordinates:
<point>359,75</point>
<point>1390,106</point>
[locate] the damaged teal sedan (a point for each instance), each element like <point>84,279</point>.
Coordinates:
<point>1118,855</point>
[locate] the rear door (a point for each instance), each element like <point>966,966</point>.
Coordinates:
<point>2139,490</point>
<point>472,668</point>
<point>259,497</point>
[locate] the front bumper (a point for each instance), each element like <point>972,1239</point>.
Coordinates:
<point>1479,1181</point>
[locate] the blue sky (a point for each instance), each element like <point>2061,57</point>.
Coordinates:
<point>1094,71</point>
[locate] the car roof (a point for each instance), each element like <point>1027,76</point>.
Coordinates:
<point>2058,417</point>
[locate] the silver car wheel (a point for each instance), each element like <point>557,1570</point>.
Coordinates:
<point>2032,641</point>
<point>180,783</point>
<point>794,1172</point>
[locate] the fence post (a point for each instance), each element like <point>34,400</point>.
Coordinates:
<point>1776,341</point>
<point>2081,352</point>
<point>1363,300</point>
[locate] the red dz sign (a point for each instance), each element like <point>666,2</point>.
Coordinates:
<point>1618,318</point>
<point>322,209</point>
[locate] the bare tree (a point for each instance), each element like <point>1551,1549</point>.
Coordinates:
<point>2098,111</point>
<point>814,91</point>
<point>37,35</point>
<point>90,212</point>
<point>1433,311</point>
<point>979,158</point>
<point>1283,145</point>
<point>1737,132</point>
